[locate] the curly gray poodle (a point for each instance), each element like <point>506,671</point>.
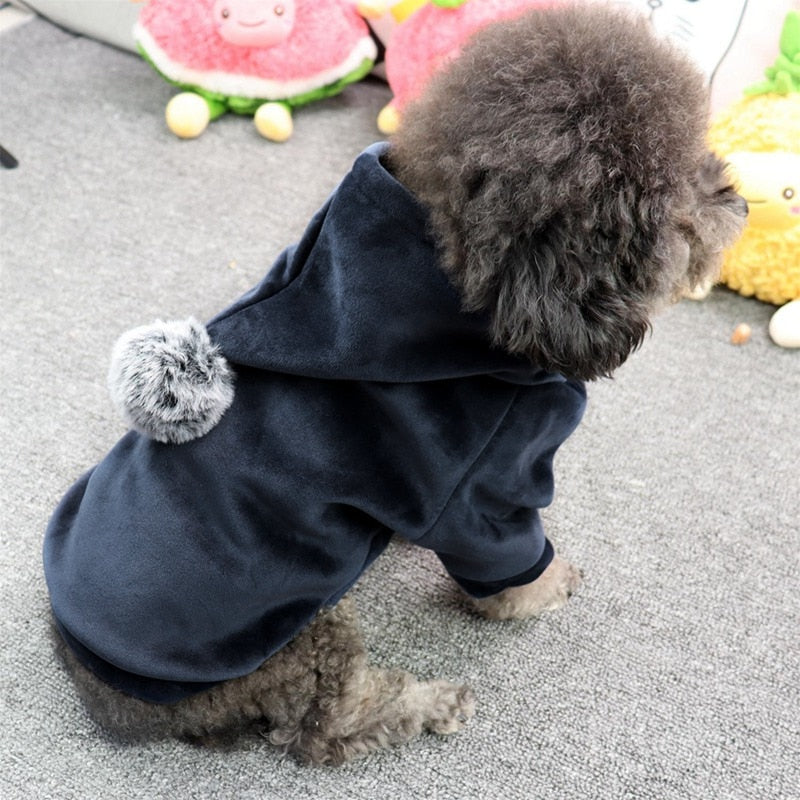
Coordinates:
<point>410,366</point>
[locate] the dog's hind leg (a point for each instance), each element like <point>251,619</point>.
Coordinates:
<point>321,700</point>
<point>358,708</point>
<point>378,709</point>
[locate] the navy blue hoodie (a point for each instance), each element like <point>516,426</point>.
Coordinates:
<point>367,403</point>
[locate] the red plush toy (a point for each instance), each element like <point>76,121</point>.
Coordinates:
<point>430,35</point>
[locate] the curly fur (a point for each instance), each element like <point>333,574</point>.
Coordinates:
<point>563,162</point>
<point>169,381</point>
<point>563,159</point>
<point>322,701</point>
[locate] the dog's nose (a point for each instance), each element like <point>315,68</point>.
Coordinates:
<point>741,206</point>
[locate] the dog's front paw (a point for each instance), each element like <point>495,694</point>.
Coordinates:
<point>450,707</point>
<point>549,591</point>
<point>169,380</point>
<point>700,291</point>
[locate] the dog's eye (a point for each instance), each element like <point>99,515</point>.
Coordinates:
<point>788,193</point>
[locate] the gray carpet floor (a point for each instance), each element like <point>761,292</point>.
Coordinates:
<point>672,674</point>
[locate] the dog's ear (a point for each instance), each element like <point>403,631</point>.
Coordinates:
<point>569,304</point>
<point>577,298</point>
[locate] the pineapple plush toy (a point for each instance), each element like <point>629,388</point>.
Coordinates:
<point>760,136</point>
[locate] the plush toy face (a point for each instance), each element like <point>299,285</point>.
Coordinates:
<point>770,182</point>
<point>254,23</point>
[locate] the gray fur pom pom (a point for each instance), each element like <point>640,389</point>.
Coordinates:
<point>169,380</point>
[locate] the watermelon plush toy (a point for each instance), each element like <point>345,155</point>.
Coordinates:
<point>254,57</point>
<point>430,34</point>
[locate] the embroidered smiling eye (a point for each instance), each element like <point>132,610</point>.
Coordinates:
<point>788,193</point>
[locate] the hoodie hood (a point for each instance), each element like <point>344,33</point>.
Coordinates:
<point>361,296</point>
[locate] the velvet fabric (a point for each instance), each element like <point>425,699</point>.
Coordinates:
<point>367,403</point>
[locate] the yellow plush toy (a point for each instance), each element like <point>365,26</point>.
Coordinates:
<point>760,136</point>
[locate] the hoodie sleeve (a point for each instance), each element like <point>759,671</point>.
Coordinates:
<point>489,535</point>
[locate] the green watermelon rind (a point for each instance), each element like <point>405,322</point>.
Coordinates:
<point>220,103</point>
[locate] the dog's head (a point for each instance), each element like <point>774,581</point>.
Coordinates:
<point>562,158</point>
